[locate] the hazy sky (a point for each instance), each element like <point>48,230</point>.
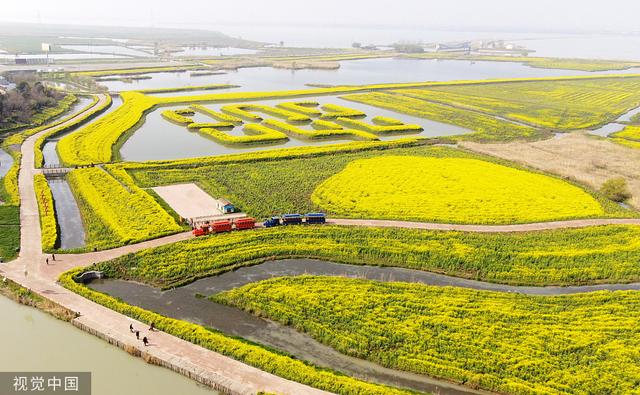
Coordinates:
<point>619,15</point>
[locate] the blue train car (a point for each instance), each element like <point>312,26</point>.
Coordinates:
<point>315,218</point>
<point>292,219</point>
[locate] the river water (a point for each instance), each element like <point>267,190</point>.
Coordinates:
<point>182,304</point>
<point>353,72</point>
<point>35,341</point>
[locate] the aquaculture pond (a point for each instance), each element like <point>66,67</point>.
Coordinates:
<point>353,72</point>
<point>159,139</point>
<point>38,342</point>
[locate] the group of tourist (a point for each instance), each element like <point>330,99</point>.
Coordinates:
<point>145,340</point>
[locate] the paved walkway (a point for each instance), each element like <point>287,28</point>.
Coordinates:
<point>30,270</point>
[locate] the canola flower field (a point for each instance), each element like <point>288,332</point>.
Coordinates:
<point>486,127</point>
<point>46,209</point>
<point>558,105</point>
<point>451,190</point>
<point>117,212</point>
<point>259,130</point>
<point>509,343</point>
<point>607,254</point>
<point>502,342</point>
<point>94,144</point>
<point>263,184</point>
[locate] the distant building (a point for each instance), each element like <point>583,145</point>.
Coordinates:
<point>5,85</point>
<point>454,47</point>
<point>225,206</point>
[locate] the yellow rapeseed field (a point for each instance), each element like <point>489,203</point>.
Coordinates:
<point>450,190</point>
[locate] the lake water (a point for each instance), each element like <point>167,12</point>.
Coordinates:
<point>587,46</point>
<point>356,72</point>
<point>595,46</point>
<point>108,49</point>
<point>213,51</point>
<point>36,341</point>
<point>159,139</point>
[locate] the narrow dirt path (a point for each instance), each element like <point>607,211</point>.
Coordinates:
<point>532,227</point>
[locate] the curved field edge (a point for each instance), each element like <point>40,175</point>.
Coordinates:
<point>91,111</point>
<point>504,342</point>
<point>94,144</point>
<point>241,350</point>
<point>270,182</point>
<point>115,211</point>
<point>583,256</point>
<point>409,187</point>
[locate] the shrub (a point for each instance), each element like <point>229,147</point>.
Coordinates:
<point>616,189</point>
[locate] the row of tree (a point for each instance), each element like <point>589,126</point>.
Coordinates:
<point>17,106</point>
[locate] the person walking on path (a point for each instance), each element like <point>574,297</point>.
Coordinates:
<point>47,260</point>
<point>145,341</point>
<point>152,327</point>
<point>138,335</point>
<point>53,257</point>
<point>131,328</point>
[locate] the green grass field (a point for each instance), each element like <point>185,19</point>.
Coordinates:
<point>9,232</point>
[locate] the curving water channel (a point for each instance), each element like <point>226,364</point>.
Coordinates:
<point>617,125</point>
<point>182,304</point>
<point>6,161</point>
<point>69,220</point>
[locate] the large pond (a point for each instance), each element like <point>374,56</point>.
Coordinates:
<point>159,139</point>
<point>108,49</point>
<point>213,51</point>
<point>35,341</point>
<point>181,303</point>
<point>355,72</point>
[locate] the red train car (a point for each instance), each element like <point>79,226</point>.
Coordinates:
<point>245,223</point>
<point>222,226</point>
